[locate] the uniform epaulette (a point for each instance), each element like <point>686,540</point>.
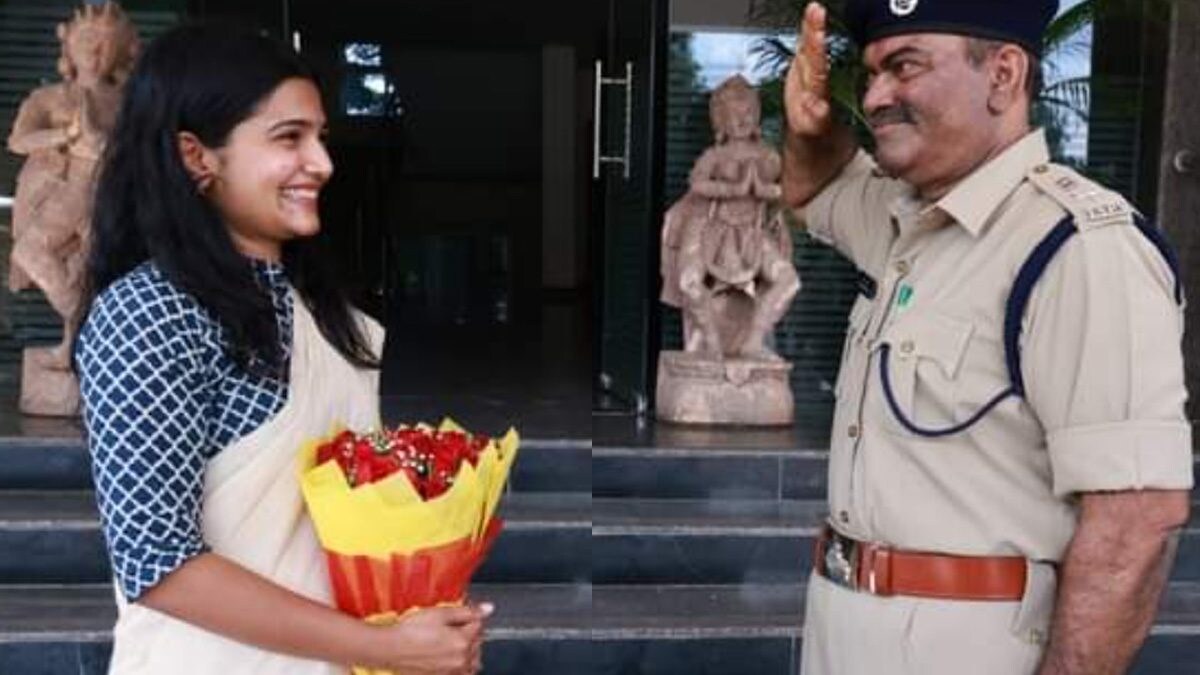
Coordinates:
<point>1091,204</point>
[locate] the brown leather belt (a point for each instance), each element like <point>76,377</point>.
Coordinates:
<point>880,570</point>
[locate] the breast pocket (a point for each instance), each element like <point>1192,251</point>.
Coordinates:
<point>924,367</point>
<point>853,347</point>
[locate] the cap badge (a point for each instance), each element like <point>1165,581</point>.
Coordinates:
<point>903,7</point>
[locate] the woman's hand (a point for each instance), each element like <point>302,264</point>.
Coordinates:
<point>437,641</point>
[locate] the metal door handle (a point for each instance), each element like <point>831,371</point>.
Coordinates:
<point>1184,162</point>
<point>598,157</point>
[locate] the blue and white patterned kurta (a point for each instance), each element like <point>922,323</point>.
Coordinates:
<point>161,397</point>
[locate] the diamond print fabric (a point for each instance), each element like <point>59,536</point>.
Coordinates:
<point>160,398</point>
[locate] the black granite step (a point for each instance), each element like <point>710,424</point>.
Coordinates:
<point>716,472</point>
<point>709,473</point>
<point>55,538</point>
<point>643,541</point>
<point>50,455</point>
<point>676,541</point>
<point>61,630</point>
<point>751,629</point>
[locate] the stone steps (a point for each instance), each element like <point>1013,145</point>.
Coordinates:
<point>48,454</point>
<point>711,534</point>
<point>55,538</point>
<point>654,550</point>
<point>56,598</point>
<point>57,629</point>
<point>669,629</point>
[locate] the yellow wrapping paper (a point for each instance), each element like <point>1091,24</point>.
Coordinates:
<point>389,519</point>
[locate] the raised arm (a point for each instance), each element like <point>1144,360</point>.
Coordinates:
<point>816,147</point>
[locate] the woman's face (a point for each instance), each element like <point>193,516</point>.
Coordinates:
<point>271,170</point>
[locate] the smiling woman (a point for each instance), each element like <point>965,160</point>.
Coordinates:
<point>214,344</point>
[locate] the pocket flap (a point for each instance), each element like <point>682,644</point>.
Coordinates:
<point>937,337</point>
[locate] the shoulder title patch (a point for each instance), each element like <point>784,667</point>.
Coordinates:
<point>1092,205</point>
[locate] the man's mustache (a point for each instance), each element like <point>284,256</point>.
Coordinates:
<point>892,114</point>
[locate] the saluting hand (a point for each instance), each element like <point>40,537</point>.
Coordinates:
<point>806,90</point>
<point>816,146</point>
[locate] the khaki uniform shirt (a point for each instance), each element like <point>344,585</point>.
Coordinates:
<point>1100,355</point>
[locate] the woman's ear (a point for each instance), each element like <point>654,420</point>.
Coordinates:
<point>199,160</point>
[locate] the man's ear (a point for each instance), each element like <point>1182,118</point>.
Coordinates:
<point>199,160</point>
<point>1009,71</point>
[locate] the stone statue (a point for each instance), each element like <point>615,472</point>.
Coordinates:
<point>726,263</point>
<point>61,129</point>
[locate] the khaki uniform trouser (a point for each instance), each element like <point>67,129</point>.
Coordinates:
<point>852,633</point>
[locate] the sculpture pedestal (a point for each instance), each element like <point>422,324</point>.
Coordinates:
<point>47,389</point>
<point>698,390</point>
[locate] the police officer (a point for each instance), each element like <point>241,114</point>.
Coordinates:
<point>1005,496</point>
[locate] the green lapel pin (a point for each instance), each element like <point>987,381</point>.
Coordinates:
<point>904,296</point>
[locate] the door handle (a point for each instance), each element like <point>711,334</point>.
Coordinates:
<point>598,157</point>
<point>1184,162</point>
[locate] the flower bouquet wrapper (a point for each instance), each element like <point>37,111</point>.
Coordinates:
<point>389,550</point>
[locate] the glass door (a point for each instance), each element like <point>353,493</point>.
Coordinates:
<point>628,167</point>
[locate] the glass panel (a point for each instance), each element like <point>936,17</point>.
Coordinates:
<point>368,94</point>
<point>712,41</point>
<point>810,335</point>
<point>363,54</point>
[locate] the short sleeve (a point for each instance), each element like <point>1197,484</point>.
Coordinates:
<point>851,213</point>
<point>1103,365</point>
<point>142,378</point>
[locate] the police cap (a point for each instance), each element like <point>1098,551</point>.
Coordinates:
<point>1018,21</point>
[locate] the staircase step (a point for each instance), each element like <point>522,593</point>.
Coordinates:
<point>681,462</point>
<point>712,472</point>
<point>677,541</point>
<point>55,537</point>
<point>49,454</point>
<point>649,541</point>
<point>56,630</point>
<point>709,473</point>
<point>752,629</point>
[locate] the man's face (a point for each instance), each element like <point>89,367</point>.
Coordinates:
<point>928,109</point>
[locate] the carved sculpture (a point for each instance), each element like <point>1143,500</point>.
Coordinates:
<point>726,263</point>
<point>61,129</point>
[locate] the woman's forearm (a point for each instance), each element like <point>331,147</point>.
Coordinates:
<point>216,594</point>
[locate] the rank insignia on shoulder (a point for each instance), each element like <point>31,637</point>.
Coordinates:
<point>1091,204</point>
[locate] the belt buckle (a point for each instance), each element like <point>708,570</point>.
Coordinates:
<point>840,557</point>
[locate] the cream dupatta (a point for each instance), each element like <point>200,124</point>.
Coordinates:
<point>254,515</point>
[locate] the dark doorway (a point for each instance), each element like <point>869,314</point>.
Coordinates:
<point>515,275</point>
<point>461,199</point>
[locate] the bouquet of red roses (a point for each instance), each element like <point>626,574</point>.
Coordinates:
<point>405,515</point>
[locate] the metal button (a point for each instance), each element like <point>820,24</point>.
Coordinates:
<point>1041,168</point>
<point>843,516</point>
<point>907,347</point>
<point>1037,636</point>
<point>902,266</point>
<point>852,432</point>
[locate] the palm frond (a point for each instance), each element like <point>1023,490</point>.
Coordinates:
<point>1069,23</point>
<point>1074,93</point>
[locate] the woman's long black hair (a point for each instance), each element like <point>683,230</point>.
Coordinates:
<point>205,79</point>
